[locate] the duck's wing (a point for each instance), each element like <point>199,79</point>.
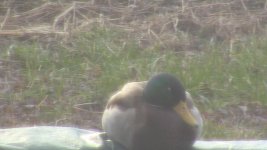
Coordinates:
<point>118,124</point>
<point>130,95</point>
<point>119,117</point>
<point>195,112</point>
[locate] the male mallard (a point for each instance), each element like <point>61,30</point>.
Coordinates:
<point>152,115</point>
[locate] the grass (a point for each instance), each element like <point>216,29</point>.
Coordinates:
<point>97,63</point>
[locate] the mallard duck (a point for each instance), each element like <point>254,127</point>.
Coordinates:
<point>152,115</point>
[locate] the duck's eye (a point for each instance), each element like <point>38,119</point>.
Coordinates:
<point>171,90</point>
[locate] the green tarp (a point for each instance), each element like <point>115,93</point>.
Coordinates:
<point>66,138</point>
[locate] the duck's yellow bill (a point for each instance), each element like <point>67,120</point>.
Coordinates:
<point>183,111</point>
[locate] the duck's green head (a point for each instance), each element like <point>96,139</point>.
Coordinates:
<point>165,90</point>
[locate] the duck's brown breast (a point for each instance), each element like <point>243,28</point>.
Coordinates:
<point>163,130</point>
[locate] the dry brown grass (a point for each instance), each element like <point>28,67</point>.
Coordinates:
<point>177,25</point>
